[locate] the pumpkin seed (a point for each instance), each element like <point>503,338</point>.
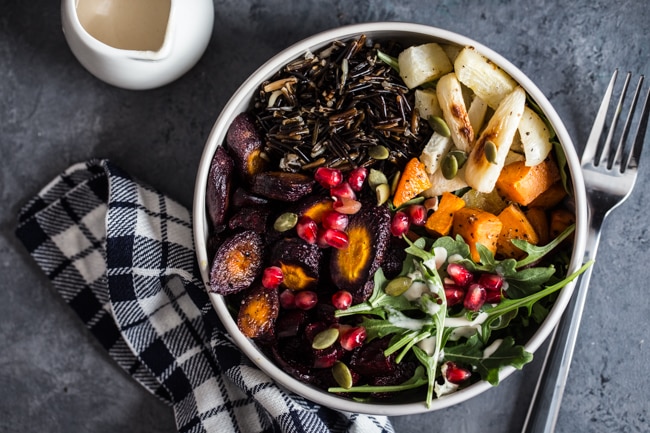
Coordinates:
<point>383,193</point>
<point>490,150</point>
<point>449,166</point>
<point>342,375</point>
<point>394,182</point>
<point>285,222</point>
<point>460,156</point>
<point>398,286</point>
<point>376,177</point>
<point>378,152</point>
<point>439,125</point>
<point>325,339</point>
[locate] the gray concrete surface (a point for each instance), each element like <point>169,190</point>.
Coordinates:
<point>55,378</point>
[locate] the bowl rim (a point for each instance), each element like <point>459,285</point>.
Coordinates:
<point>241,99</point>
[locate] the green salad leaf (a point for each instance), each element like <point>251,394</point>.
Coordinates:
<point>412,319</point>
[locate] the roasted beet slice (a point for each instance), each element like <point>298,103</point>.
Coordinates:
<point>282,186</point>
<point>242,198</point>
<point>299,261</point>
<point>245,143</point>
<point>257,312</point>
<point>369,360</point>
<point>403,372</point>
<point>247,218</point>
<point>237,263</point>
<point>395,256</point>
<point>353,267</point>
<point>217,193</point>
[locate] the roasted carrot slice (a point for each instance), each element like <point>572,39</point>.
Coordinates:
<point>258,311</point>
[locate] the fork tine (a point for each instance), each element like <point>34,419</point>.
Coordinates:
<point>616,154</point>
<point>589,151</point>
<point>605,155</point>
<point>635,153</point>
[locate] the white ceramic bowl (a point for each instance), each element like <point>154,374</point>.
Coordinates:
<point>410,33</point>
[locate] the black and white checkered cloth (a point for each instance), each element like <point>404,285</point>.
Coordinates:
<point>121,255</point>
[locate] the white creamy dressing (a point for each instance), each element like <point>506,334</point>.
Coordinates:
<point>464,328</point>
<point>415,290</point>
<point>403,321</point>
<point>428,345</point>
<point>488,351</point>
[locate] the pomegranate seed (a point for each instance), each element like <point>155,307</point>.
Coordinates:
<point>352,337</point>
<point>334,238</point>
<point>342,300</point>
<point>343,190</point>
<point>400,224</point>
<point>461,276</point>
<point>491,282</point>
<point>307,229</point>
<point>328,177</point>
<point>335,220</point>
<point>287,300</point>
<point>454,294</point>
<point>320,239</point>
<point>456,374</point>
<point>417,214</point>
<point>272,277</point>
<point>492,296</point>
<point>357,177</point>
<point>346,205</point>
<point>475,297</point>
<point>306,299</point>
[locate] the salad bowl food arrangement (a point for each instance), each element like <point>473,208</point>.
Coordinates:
<point>389,218</point>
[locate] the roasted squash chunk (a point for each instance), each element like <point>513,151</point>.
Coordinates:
<point>258,311</point>
<point>522,184</point>
<point>369,234</point>
<point>477,226</point>
<point>279,185</point>
<point>245,144</point>
<point>299,261</point>
<point>515,225</point>
<point>237,263</point>
<point>439,222</point>
<point>217,193</point>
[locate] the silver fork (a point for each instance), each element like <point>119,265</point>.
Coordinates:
<point>609,173</point>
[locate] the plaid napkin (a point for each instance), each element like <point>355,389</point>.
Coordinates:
<point>121,255</point>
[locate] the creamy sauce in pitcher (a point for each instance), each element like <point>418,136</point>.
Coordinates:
<point>126,24</point>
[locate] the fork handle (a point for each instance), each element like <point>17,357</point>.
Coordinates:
<point>545,406</point>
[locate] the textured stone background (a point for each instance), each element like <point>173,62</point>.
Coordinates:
<point>55,378</point>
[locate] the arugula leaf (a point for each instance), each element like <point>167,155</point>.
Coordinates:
<point>534,252</point>
<point>377,301</point>
<point>509,305</point>
<point>417,380</point>
<point>472,353</point>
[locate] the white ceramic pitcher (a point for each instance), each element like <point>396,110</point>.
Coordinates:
<point>137,44</point>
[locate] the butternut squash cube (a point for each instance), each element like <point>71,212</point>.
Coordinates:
<point>522,184</point>
<point>539,220</point>
<point>439,222</point>
<point>477,226</point>
<point>515,226</point>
